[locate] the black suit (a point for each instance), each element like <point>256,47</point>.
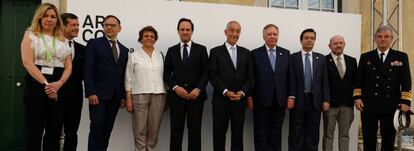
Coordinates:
<point>304,118</point>
<point>223,75</point>
<point>341,89</point>
<point>269,98</point>
<point>381,87</point>
<point>73,99</point>
<point>341,110</point>
<point>193,74</point>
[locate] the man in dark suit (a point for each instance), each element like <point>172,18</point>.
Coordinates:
<point>104,72</point>
<point>73,98</point>
<point>186,72</point>
<point>270,64</point>
<point>383,84</point>
<point>309,94</point>
<point>231,74</point>
<point>341,73</point>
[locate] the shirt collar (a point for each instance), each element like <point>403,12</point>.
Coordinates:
<point>109,39</point>
<point>304,52</point>
<point>334,56</point>
<point>188,44</point>
<point>229,46</point>
<point>385,52</point>
<point>268,48</point>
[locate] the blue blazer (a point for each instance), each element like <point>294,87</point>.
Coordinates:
<point>102,76</point>
<point>320,84</point>
<point>270,87</point>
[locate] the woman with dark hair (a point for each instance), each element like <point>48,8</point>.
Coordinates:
<point>145,90</point>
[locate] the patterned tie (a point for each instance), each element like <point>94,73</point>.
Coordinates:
<point>308,73</point>
<point>185,54</point>
<point>114,50</point>
<point>272,58</point>
<point>339,67</point>
<point>234,56</point>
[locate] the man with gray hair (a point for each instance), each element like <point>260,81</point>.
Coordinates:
<point>231,74</point>
<point>341,74</point>
<point>383,85</point>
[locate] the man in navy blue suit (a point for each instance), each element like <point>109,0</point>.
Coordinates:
<point>104,72</point>
<point>309,94</point>
<point>270,63</point>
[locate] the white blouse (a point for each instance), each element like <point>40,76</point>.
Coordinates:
<point>144,74</point>
<point>62,50</point>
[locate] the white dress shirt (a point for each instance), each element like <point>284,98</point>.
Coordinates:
<point>385,54</point>
<point>144,74</point>
<point>117,45</point>
<point>310,58</point>
<point>182,48</point>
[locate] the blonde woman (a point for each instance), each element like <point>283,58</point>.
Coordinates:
<point>47,59</point>
<point>145,90</point>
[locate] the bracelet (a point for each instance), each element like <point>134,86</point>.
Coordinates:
<point>45,83</point>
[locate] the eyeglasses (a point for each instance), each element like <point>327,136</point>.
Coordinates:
<point>110,25</point>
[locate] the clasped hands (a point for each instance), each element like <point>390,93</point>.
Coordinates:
<point>181,92</point>
<point>234,96</point>
<point>51,89</point>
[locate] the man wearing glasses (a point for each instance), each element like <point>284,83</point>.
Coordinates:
<point>104,72</point>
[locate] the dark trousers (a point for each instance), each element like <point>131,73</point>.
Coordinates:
<point>223,113</point>
<point>193,111</point>
<point>370,127</point>
<point>102,119</point>
<point>268,123</point>
<point>71,120</point>
<point>43,115</point>
<point>304,127</point>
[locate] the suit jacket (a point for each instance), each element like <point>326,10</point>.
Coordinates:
<point>320,84</point>
<point>341,89</point>
<point>383,87</point>
<point>73,86</point>
<point>103,76</point>
<point>269,86</point>
<point>192,75</point>
<point>223,74</point>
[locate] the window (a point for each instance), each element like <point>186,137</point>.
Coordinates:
<point>315,5</point>
<point>293,4</point>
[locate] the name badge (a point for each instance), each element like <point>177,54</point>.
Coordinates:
<point>47,70</point>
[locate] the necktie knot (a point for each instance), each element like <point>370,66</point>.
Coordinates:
<point>339,58</point>
<point>382,54</point>
<point>307,54</point>
<point>70,43</point>
<point>113,42</point>
<point>185,45</point>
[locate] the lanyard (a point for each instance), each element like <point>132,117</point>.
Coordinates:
<point>48,53</point>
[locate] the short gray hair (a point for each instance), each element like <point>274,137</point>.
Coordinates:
<point>231,22</point>
<point>383,29</point>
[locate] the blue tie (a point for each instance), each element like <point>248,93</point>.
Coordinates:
<point>234,56</point>
<point>272,59</point>
<point>185,54</point>
<point>308,73</point>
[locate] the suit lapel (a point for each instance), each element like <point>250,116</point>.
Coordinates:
<point>192,52</point>
<point>347,65</point>
<point>265,56</point>
<point>279,56</point>
<point>315,64</point>
<point>332,62</point>
<point>109,49</point>
<point>227,55</point>
<point>300,64</point>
